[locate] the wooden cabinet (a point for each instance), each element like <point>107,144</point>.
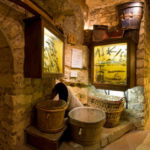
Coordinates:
<point>44,49</point>
<point>113,64</point>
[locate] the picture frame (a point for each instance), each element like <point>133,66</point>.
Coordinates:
<point>113,64</point>
<point>44,49</point>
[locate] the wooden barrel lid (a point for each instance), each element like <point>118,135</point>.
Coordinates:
<point>130,5</point>
<point>51,105</point>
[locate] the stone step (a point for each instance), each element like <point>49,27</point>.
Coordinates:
<point>110,135</point>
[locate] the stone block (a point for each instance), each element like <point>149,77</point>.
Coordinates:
<point>3,42</point>
<point>6,80</point>
<point>109,135</point>
<point>6,67</point>
<point>18,41</point>
<point>82,76</point>
<point>140,72</point>
<point>140,63</point>
<point>27,81</point>
<point>104,141</point>
<point>140,82</point>
<point>18,64</point>
<point>14,28</point>
<point>140,54</point>
<point>6,55</point>
<point>37,95</point>
<point>141,43</point>
<point>47,91</point>
<point>81,93</point>
<point>21,100</point>
<point>68,56</point>
<point>18,80</point>
<point>22,113</point>
<point>3,12</point>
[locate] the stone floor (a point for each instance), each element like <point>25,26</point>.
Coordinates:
<point>118,138</point>
<point>135,140</point>
<point>109,135</point>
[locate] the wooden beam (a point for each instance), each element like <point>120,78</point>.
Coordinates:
<point>33,8</point>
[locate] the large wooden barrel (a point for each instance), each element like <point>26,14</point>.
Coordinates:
<point>50,115</point>
<point>130,15</point>
<point>85,125</point>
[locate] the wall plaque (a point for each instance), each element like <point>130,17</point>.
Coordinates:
<point>76,58</point>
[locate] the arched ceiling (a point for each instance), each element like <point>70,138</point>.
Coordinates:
<point>57,7</point>
<point>93,4</point>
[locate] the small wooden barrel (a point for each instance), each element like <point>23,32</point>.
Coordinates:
<point>50,115</point>
<point>86,124</point>
<point>87,36</point>
<point>100,33</point>
<point>130,15</point>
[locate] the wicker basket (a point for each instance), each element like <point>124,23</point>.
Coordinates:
<point>112,109</point>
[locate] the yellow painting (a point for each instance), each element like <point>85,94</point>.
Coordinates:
<point>53,53</point>
<point>110,64</point>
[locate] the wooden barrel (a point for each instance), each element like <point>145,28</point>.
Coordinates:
<point>85,125</point>
<point>130,15</point>
<point>50,115</point>
<point>87,36</point>
<point>100,33</point>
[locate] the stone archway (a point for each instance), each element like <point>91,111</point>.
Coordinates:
<point>11,71</point>
<point>6,86</point>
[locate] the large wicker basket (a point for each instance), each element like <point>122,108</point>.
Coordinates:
<point>112,109</point>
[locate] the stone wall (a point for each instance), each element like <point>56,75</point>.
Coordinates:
<point>104,12</point>
<point>78,84</point>
<point>18,95</point>
<point>18,102</point>
<point>107,14</point>
<point>147,67</point>
<point>69,15</point>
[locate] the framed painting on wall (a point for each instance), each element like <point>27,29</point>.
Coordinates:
<point>53,53</point>
<point>113,64</point>
<point>44,49</point>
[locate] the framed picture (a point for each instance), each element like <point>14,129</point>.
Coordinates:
<point>53,53</point>
<point>44,49</point>
<point>113,64</point>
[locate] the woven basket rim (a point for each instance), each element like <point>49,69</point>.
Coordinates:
<point>110,106</point>
<point>108,101</point>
